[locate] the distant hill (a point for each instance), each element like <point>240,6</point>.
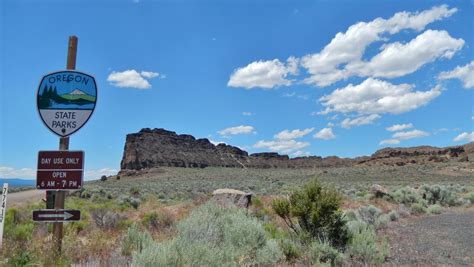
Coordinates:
<point>16,182</point>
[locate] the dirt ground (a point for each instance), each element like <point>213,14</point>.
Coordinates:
<point>435,240</point>
<point>20,198</point>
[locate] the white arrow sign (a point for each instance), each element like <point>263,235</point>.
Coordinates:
<point>66,215</point>
<point>58,215</point>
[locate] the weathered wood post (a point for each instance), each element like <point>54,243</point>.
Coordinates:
<point>64,145</point>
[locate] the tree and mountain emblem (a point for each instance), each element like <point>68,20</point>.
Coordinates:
<point>50,99</point>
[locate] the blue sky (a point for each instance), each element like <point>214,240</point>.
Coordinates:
<point>296,77</point>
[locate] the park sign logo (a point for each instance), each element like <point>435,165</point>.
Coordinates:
<point>66,100</point>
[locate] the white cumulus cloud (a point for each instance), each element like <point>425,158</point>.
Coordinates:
<point>409,134</point>
<point>149,74</point>
<point>389,142</point>
<point>246,113</point>
<point>464,137</point>
<point>464,73</point>
<point>241,129</point>
<point>282,146</point>
<point>131,79</point>
<point>397,59</point>
<point>347,48</point>
<point>363,120</point>
<point>375,96</point>
<point>10,172</point>
<point>264,74</point>
<point>325,134</point>
<point>399,127</point>
<point>297,133</point>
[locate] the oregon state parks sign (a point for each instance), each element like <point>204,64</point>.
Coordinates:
<point>66,100</point>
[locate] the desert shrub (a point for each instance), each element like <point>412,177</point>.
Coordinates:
<point>406,195</point>
<point>273,231</point>
<point>439,194</point>
<point>163,254</point>
<point>158,220</point>
<point>21,258</point>
<point>291,247</point>
<point>135,240</point>
<point>134,191</point>
<point>403,211</point>
<point>214,236</point>
<point>103,178</point>
<point>350,215</point>
<point>470,197</point>
<point>129,201</point>
<point>151,219</point>
<point>393,215</point>
<point>17,225</point>
<point>86,194</point>
<point>105,218</point>
<point>323,252</point>
<point>418,208</point>
<point>435,209</point>
<point>369,214</point>
<point>382,221</point>
<point>317,211</point>
<point>363,246</point>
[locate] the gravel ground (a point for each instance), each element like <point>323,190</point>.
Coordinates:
<point>23,197</point>
<point>435,240</point>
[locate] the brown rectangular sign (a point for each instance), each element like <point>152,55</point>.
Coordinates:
<point>58,215</point>
<point>60,160</point>
<point>60,170</point>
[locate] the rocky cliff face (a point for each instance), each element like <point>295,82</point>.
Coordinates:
<point>420,155</point>
<point>152,148</point>
<point>158,147</point>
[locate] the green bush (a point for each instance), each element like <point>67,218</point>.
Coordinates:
<point>470,197</point>
<point>418,208</point>
<point>350,215</point>
<point>135,240</point>
<point>21,258</point>
<point>369,214</point>
<point>439,194</point>
<point>291,248</point>
<point>406,195</point>
<point>435,209</point>
<point>158,220</point>
<point>381,221</point>
<point>393,215</point>
<point>363,246</point>
<point>213,236</point>
<point>317,211</point>
<point>323,252</point>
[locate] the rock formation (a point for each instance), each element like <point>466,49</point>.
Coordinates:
<point>151,148</point>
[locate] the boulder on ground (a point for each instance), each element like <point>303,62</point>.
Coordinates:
<point>227,196</point>
<point>378,190</point>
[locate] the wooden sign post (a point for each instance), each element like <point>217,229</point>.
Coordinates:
<point>65,101</point>
<point>60,196</point>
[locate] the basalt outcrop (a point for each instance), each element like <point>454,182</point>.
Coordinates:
<point>152,148</point>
